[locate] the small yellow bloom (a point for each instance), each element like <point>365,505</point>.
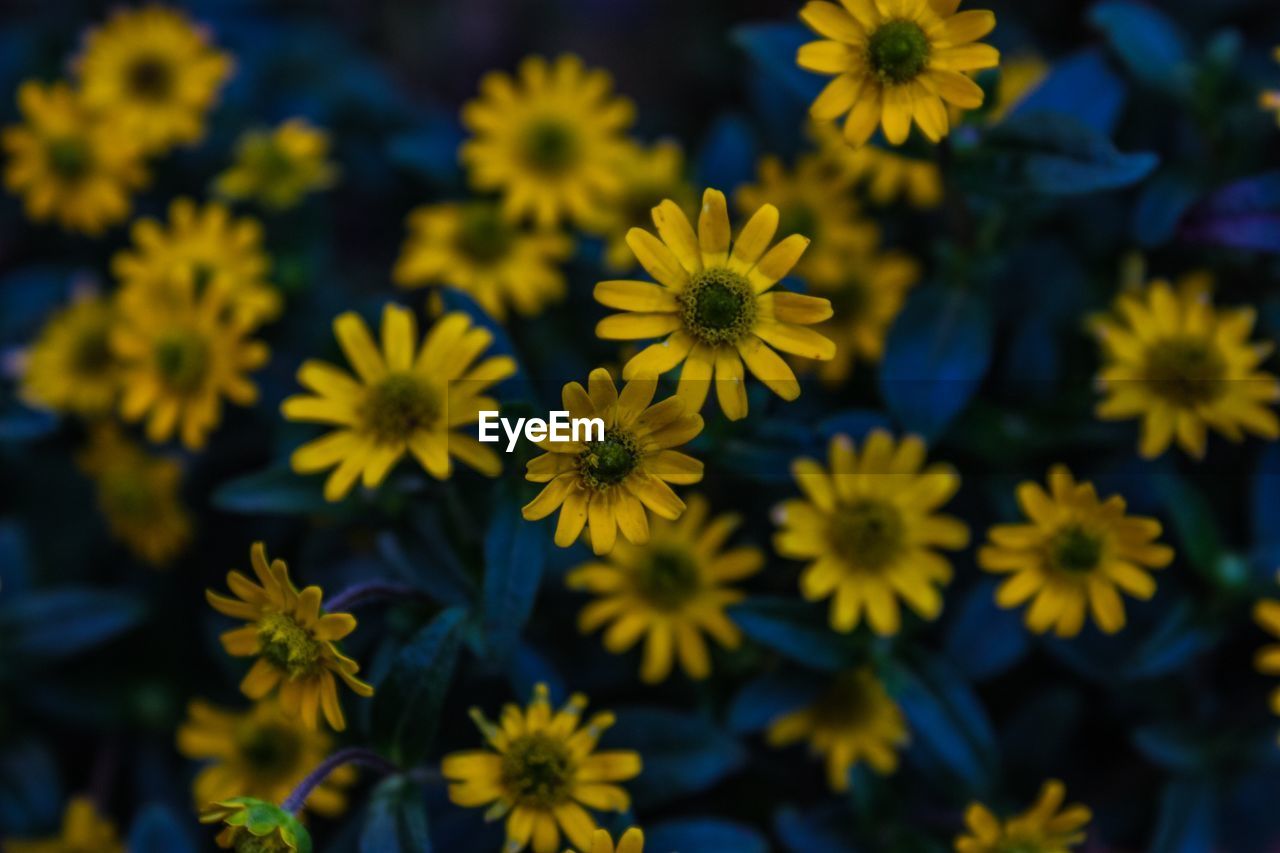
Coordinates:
<point>896,61</point>
<point>648,176</point>
<point>884,176</point>
<point>294,641</point>
<point>540,771</point>
<point>406,398</point>
<point>83,829</point>
<point>609,484</point>
<point>278,167</point>
<point>1270,99</point>
<point>1267,614</point>
<point>713,307</point>
<point>70,367</point>
<point>254,826</point>
<point>869,531</point>
<point>1044,828</point>
<point>670,590</point>
<point>632,841</point>
<point>852,721</point>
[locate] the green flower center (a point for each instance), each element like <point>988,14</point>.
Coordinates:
<point>848,703</point>
<point>183,361</point>
<point>483,235</point>
<point>125,493</point>
<point>150,78</point>
<point>668,579</point>
<point>538,771</point>
<point>69,158</point>
<point>288,646</point>
<point>898,51</point>
<point>607,463</point>
<point>550,146</point>
<point>247,842</point>
<point>1186,371</point>
<point>1074,549</point>
<point>400,405</point>
<point>270,750</point>
<point>868,534</point>
<point>718,306</point>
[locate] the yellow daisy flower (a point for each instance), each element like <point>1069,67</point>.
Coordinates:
<point>648,175</point>
<point>70,367</point>
<point>869,528</point>
<point>540,771</point>
<point>632,841</point>
<point>714,307</point>
<point>1173,360</point>
<point>294,641</point>
<point>70,165</point>
<point>405,398</point>
<point>278,167</point>
<point>1267,614</point>
<point>1270,99</point>
<point>609,484</point>
<point>670,590</point>
<point>1076,550</point>
<point>179,358</point>
<point>852,721</point>
<point>896,61</point>
<point>1046,827</point>
<point>549,139</point>
<point>83,829</point>
<point>254,825</point>
<point>884,176</point>
<point>474,248</point>
<point>154,72</point>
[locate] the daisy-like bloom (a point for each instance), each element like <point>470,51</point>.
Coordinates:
<point>1046,827</point>
<point>473,247</point>
<point>715,307</point>
<point>548,139</point>
<point>1267,614</point>
<point>632,841</point>
<point>1077,550</point>
<point>71,166</point>
<point>154,72</point>
<point>293,639</point>
<point>540,771</point>
<point>896,61</point>
<point>1270,100</point>
<point>648,175</point>
<point>258,753</point>
<point>852,721</point>
<point>1181,366</point>
<point>404,398</point>
<point>179,358</point>
<point>277,168</point>
<point>254,826</point>
<point>609,484</point>
<point>83,829</point>
<point>884,176</point>
<point>670,591</point>
<point>70,367</point>
<point>869,528</point>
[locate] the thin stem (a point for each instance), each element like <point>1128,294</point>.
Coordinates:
<point>351,755</point>
<point>368,593</point>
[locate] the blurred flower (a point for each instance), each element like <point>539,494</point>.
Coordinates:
<point>648,175</point>
<point>609,484</point>
<point>1270,99</point>
<point>895,62</point>
<point>405,398</point>
<point>154,73</point>
<point>83,829</point>
<point>1267,614</point>
<point>70,367</point>
<point>1172,360</point>
<point>548,140</point>
<point>69,165</point>
<point>139,495</point>
<point>712,307</point>
<point>278,167</point>
<point>632,841</point>
<point>293,640</point>
<point>853,720</point>
<point>254,826</point>
<point>474,248</point>
<point>1019,77</point>
<point>1040,829</point>
<point>885,176</point>
<point>540,772</point>
<point>869,529</point>
<point>670,591</point>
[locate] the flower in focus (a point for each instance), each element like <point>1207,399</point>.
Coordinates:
<point>69,165</point>
<point>715,308</point>
<point>474,248</point>
<point>648,175</point>
<point>885,176</point>
<point>294,641</point>
<point>540,771</point>
<point>1044,828</point>
<point>549,139</point>
<point>670,591</point>
<point>852,721</point>
<point>1267,614</point>
<point>83,830</point>
<point>253,826</point>
<point>896,61</point>
<point>154,72</point>
<point>404,398</point>
<point>1270,100</point>
<point>1174,361</point>
<point>608,484</point>
<point>869,530</point>
<point>70,367</point>
<point>632,841</point>
<point>278,167</point>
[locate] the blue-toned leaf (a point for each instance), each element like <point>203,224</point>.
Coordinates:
<point>15,568</point>
<point>18,423</point>
<point>57,623</point>
<point>1082,86</point>
<point>529,667</point>
<point>952,737</point>
<point>434,577</point>
<point>727,158</point>
<point>683,754</point>
<point>1187,814</point>
<point>1194,524</point>
<point>1147,41</point>
<point>1265,505</point>
<point>276,490</point>
<point>1137,654</point>
<point>430,151</point>
<point>1058,155</point>
<point>826,829</point>
<point>157,829</point>
<point>773,47</point>
<point>30,791</point>
<point>797,629</point>
<point>1242,215</point>
<point>984,640</point>
<point>396,820</point>
<point>1173,747</point>
<point>515,554</point>
<point>704,835</point>
<point>855,424</point>
<point>1161,207</point>
<point>762,700</point>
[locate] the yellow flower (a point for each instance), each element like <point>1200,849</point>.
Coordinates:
<point>70,367</point>
<point>474,248</point>
<point>1270,99</point>
<point>404,398</point>
<point>542,768</point>
<point>885,176</point>
<point>179,358</point>
<point>1267,614</point>
<point>632,841</point>
<point>609,484</point>
<point>1181,366</point>
<point>549,140</point>
<point>278,167</point>
<point>1076,550</point>
<point>83,829</point>
<point>71,166</point>
<point>1043,828</point>
<point>255,826</point>
<point>648,175</point>
<point>853,720</point>
<point>670,590</point>
<point>154,72</point>
<point>258,753</point>
<point>869,529</point>
<point>713,307</point>
<point>139,495</point>
<point>293,640</point>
